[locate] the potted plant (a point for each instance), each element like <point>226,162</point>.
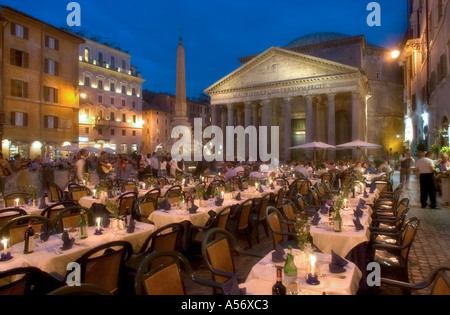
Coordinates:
<point>116,223</point>
<point>32,191</point>
<point>200,196</point>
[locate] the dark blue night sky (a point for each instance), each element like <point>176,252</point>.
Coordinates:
<point>215,33</point>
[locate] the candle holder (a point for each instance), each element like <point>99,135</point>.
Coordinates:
<point>6,257</point>
<point>98,232</point>
<point>313,280</point>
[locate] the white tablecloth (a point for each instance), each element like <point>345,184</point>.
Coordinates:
<point>262,277</point>
<point>50,258</point>
<point>161,218</point>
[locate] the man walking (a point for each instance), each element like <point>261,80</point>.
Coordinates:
<point>406,161</point>
<point>427,185</point>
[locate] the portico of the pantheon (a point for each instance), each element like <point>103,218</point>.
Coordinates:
<point>325,87</point>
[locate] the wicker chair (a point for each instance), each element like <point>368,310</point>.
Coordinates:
<point>239,221</point>
<point>8,214</point>
<point>105,270</point>
<point>217,248</point>
<point>15,229</point>
<point>30,281</point>
<point>161,273</point>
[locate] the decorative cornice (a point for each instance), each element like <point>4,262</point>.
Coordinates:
<point>289,83</point>
<point>385,83</point>
<point>276,50</point>
<point>110,72</point>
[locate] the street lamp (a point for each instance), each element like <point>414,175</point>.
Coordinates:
<point>395,54</point>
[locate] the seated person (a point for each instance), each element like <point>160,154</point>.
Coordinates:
<point>230,172</point>
<point>255,173</point>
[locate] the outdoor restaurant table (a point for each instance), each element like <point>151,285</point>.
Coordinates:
<point>161,218</point>
<point>262,277</point>
<point>50,258</point>
<point>343,242</point>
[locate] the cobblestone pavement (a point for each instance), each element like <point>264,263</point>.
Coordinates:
<point>431,247</point>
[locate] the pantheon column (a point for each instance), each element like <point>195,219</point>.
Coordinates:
<point>248,113</point>
<point>331,124</point>
<point>356,119</point>
<point>215,115</point>
<point>255,115</point>
<point>287,129</point>
<point>223,125</point>
<point>309,122</point>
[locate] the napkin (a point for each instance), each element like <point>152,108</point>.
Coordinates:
<point>42,204</point>
<point>324,209</point>
<point>45,235</point>
<point>272,186</point>
<point>328,203</point>
<point>373,187</point>
<point>219,202</point>
<point>241,186</point>
<point>316,219</point>
<point>67,241</point>
<point>337,263</point>
<point>193,209</point>
<point>164,205</point>
<point>278,254</point>
<point>358,212</point>
<point>231,287</point>
<point>110,194</point>
<point>238,197</point>
<point>366,195</point>
<point>131,226</point>
<point>261,190</point>
<point>358,225</point>
<point>122,189</point>
<point>136,190</point>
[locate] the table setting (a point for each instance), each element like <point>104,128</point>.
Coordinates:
<point>317,274</point>
<point>52,253</point>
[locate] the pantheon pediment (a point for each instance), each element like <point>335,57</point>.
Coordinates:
<point>277,65</point>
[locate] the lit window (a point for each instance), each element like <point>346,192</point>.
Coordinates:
<point>86,54</point>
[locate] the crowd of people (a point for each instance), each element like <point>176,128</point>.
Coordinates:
<point>16,172</point>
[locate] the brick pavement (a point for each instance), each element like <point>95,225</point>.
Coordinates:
<point>430,249</point>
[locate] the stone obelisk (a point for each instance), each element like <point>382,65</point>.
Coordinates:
<point>180,111</point>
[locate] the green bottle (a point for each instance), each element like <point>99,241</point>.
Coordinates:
<point>83,226</point>
<point>337,221</point>
<point>289,267</point>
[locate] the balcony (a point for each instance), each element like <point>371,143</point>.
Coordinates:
<point>105,65</point>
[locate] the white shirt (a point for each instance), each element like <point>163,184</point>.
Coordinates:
<point>79,166</point>
<point>425,166</point>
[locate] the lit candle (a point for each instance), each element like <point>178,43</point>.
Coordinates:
<point>223,194</point>
<point>313,260</point>
<point>84,182</point>
<point>5,246</point>
<point>16,202</point>
<point>345,203</point>
<point>143,186</point>
<point>99,220</point>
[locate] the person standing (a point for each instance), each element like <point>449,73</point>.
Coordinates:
<point>5,172</point>
<point>154,161</point>
<point>103,167</point>
<point>426,169</point>
<point>81,166</point>
<point>23,176</point>
<point>406,161</point>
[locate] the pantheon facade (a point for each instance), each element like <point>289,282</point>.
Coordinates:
<point>326,87</point>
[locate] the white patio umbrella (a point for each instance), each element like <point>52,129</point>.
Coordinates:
<point>358,145</point>
<point>111,151</point>
<point>92,150</point>
<point>69,148</point>
<point>314,146</point>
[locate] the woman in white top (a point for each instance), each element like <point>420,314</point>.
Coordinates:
<point>174,168</point>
